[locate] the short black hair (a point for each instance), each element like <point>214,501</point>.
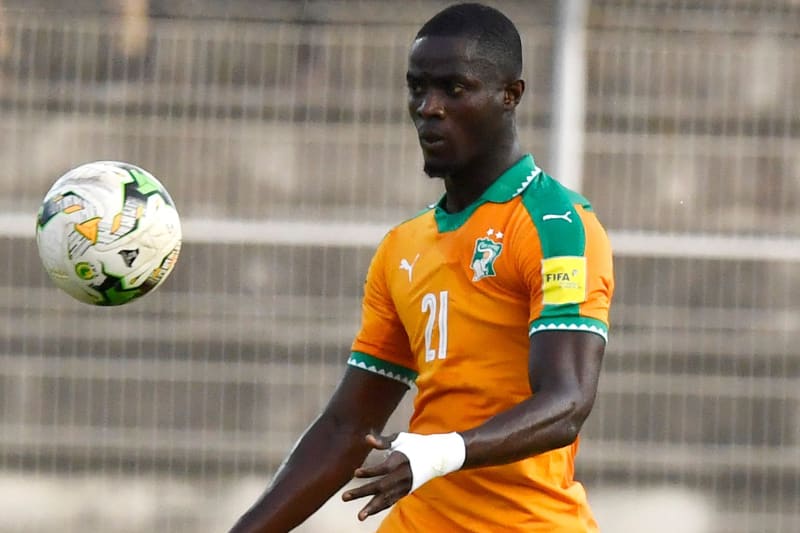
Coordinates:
<point>496,36</point>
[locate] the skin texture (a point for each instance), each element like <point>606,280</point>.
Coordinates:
<point>326,455</point>
<point>463,110</point>
<point>564,370</point>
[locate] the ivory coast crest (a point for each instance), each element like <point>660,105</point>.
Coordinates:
<point>486,252</point>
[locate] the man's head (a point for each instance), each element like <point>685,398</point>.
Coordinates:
<point>463,79</point>
<point>494,36</point>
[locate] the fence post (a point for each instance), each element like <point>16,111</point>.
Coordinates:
<point>569,93</point>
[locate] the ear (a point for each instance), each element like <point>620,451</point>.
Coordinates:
<point>512,94</point>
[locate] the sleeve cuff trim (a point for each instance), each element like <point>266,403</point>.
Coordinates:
<point>384,368</point>
<point>570,324</point>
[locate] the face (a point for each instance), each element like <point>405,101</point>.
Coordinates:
<point>456,101</point>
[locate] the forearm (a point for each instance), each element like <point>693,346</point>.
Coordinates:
<point>537,425</point>
<point>305,482</point>
<point>564,370</point>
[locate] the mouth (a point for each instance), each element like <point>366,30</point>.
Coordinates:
<point>430,140</point>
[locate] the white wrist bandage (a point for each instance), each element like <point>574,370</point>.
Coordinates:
<point>430,456</point>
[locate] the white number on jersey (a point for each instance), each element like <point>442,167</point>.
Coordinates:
<point>429,305</point>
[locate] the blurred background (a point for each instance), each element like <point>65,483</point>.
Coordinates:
<point>280,129</point>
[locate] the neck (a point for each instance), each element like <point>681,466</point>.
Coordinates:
<point>467,185</point>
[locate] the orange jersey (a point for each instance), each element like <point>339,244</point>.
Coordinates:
<point>449,304</point>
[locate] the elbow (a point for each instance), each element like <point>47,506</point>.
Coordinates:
<point>565,433</point>
<point>574,416</point>
<point>569,432</point>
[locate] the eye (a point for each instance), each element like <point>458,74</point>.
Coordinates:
<point>455,89</point>
<point>414,87</point>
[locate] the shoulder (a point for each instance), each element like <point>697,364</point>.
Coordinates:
<point>558,214</point>
<point>548,196</point>
<point>409,226</point>
<point>400,235</point>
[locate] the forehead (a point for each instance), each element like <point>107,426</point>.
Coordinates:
<point>448,56</point>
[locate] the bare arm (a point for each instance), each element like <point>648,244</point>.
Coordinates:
<point>564,368</point>
<point>325,457</point>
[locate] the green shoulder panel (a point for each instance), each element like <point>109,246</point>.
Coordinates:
<point>551,207</point>
<point>578,199</point>
<point>552,210</point>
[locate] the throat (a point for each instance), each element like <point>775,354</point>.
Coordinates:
<point>461,193</point>
<point>463,188</point>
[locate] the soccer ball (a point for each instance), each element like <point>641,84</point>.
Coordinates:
<point>108,233</point>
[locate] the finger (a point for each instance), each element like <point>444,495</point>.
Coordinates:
<point>372,471</point>
<point>396,479</point>
<point>376,505</point>
<point>394,461</point>
<point>359,492</point>
<point>379,442</point>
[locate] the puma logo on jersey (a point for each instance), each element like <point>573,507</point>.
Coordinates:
<point>405,265</point>
<point>566,216</point>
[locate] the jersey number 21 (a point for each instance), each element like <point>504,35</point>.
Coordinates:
<point>437,312</point>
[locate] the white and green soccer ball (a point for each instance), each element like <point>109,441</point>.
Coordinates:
<point>108,233</point>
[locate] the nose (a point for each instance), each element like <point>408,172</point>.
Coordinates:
<point>431,104</point>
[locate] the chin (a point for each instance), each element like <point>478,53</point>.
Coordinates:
<point>438,169</point>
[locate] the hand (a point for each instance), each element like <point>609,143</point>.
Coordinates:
<point>386,491</point>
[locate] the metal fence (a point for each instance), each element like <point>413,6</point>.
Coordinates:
<point>281,133</point>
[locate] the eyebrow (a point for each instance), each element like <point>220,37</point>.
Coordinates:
<point>438,77</point>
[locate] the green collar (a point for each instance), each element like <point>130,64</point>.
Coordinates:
<point>510,184</point>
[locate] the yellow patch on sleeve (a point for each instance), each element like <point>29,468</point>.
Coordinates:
<point>564,280</point>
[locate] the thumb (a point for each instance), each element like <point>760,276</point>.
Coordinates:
<point>380,442</point>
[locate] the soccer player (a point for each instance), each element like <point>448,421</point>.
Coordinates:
<point>494,302</point>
